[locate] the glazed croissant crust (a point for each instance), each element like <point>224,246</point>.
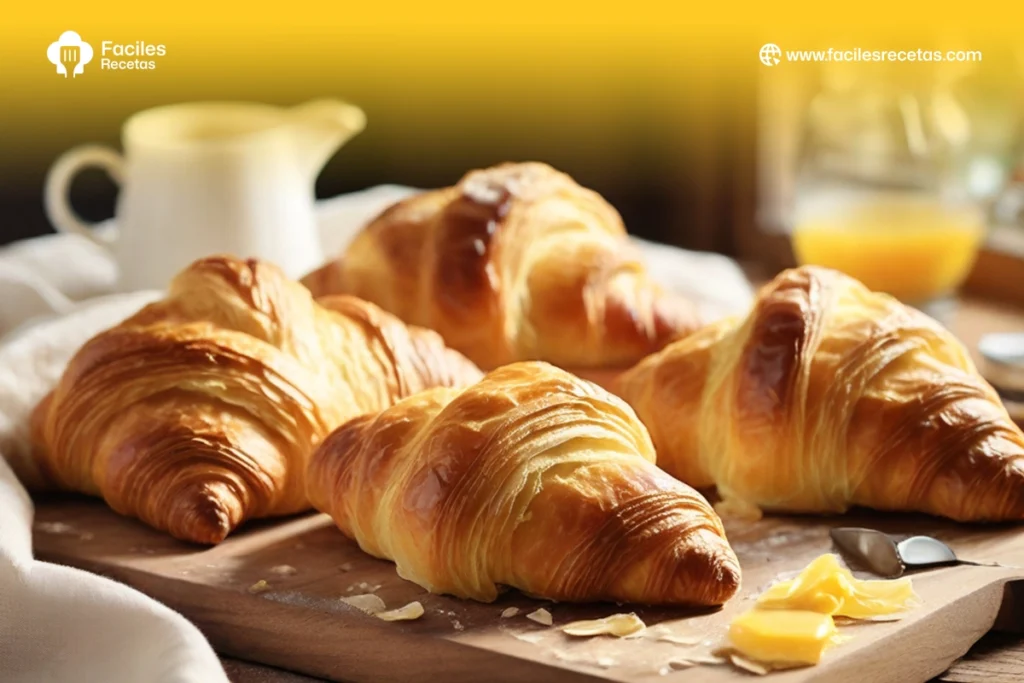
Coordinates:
<point>516,262</point>
<point>826,396</point>
<point>201,410</point>
<point>531,478</point>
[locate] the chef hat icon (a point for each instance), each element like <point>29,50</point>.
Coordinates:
<point>61,61</point>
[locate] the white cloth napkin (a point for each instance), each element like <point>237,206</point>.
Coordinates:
<point>59,623</point>
<point>62,624</point>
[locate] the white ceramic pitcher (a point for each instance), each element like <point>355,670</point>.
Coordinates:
<point>205,178</point>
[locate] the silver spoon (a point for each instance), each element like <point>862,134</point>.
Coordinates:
<point>883,555</point>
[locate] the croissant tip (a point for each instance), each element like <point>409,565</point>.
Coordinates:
<point>212,530</point>
<point>715,560</point>
<point>211,512</point>
<point>729,577</point>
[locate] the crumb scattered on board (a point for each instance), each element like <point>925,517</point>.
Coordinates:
<point>284,570</point>
<point>62,529</point>
<point>364,587</point>
<point>414,610</point>
<point>708,659</point>
<point>373,605</point>
<point>532,637</point>
<point>368,602</point>
<point>727,655</point>
<point>665,633</point>
<point>676,665</point>
<point>602,661</point>
<point>619,625</point>
<point>509,612</point>
<point>749,665</point>
<point>678,640</point>
<point>259,586</point>
<point>691,651</point>
<point>541,616</point>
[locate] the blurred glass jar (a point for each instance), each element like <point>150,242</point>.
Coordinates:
<point>890,188</point>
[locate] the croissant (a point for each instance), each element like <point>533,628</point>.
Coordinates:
<point>828,396</point>
<point>516,262</point>
<point>531,478</point>
<point>201,410</point>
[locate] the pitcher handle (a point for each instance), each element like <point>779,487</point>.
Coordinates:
<point>58,182</point>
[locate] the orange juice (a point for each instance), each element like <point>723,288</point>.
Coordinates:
<point>915,250</point>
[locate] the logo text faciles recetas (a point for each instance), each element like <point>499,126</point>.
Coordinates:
<point>113,55</point>
<point>69,54</point>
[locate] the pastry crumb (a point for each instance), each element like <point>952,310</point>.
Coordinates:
<point>259,587</point>
<point>509,612</point>
<point>534,637</point>
<point>678,640</point>
<point>414,610</point>
<point>749,665</point>
<point>728,655</point>
<point>602,661</point>
<point>541,616</point>
<point>457,625</point>
<point>680,664</point>
<point>369,603</point>
<point>346,567</point>
<point>664,633</point>
<point>619,625</point>
<point>284,570</point>
<point>364,586</point>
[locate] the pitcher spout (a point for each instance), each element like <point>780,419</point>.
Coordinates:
<point>321,128</point>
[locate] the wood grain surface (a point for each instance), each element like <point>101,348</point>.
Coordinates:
<point>299,623</point>
<point>996,658</point>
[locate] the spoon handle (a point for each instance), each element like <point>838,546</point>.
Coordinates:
<point>987,564</point>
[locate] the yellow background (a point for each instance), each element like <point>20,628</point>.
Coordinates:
<point>656,87</point>
<point>508,59</point>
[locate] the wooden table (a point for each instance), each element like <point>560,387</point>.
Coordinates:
<point>997,658</point>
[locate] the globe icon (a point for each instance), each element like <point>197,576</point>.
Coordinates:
<point>770,54</point>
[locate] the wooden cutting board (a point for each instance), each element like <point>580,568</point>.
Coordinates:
<point>298,622</point>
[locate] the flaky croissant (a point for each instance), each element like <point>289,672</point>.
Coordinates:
<point>516,262</point>
<point>531,478</point>
<point>827,396</point>
<point>201,410</point>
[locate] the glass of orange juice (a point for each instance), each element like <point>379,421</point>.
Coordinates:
<point>912,244</point>
<point>893,174</point>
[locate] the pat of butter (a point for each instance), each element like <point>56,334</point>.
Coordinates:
<point>782,636</point>
<point>828,588</point>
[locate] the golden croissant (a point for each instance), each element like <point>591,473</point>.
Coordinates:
<point>531,478</point>
<point>516,262</point>
<point>201,410</point>
<point>828,396</point>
